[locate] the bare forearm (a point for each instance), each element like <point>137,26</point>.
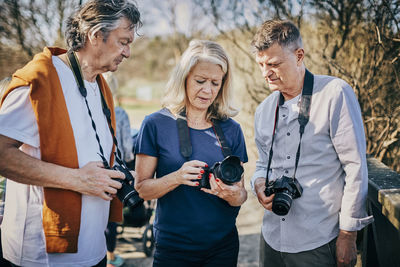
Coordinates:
<point>22,168</point>
<point>92,179</point>
<point>238,201</point>
<point>156,188</point>
<point>348,235</point>
<point>346,248</point>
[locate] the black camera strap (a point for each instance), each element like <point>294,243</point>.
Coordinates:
<point>184,136</point>
<point>226,150</point>
<point>185,144</point>
<point>303,118</point>
<point>76,69</point>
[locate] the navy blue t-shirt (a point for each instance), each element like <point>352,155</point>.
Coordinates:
<point>188,218</point>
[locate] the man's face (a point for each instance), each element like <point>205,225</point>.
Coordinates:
<point>280,67</point>
<point>110,53</point>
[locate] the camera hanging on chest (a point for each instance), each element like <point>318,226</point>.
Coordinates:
<point>228,170</point>
<point>288,188</point>
<point>127,193</point>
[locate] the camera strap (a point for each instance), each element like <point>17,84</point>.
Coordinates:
<point>303,118</point>
<point>76,69</point>
<point>185,144</point>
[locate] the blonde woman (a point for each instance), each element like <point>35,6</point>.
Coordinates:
<point>194,225</point>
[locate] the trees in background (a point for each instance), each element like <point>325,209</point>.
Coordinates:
<point>357,40</point>
<point>363,47</point>
<point>28,25</point>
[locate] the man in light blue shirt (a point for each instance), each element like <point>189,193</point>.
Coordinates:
<point>321,226</point>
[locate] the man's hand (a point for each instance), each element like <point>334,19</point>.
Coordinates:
<point>346,249</point>
<point>259,187</point>
<point>92,179</point>
<point>96,181</point>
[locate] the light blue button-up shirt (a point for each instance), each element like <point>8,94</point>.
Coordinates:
<point>332,168</point>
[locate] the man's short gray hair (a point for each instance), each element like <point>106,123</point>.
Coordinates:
<point>282,32</point>
<point>99,15</point>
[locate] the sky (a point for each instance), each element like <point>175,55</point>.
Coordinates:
<point>189,17</point>
<point>156,21</point>
<point>157,18</point>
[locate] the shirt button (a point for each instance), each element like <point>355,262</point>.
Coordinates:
<point>283,219</point>
<point>284,115</point>
<point>288,134</point>
<point>288,157</point>
<point>286,171</point>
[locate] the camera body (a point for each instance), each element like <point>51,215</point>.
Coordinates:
<point>229,171</point>
<point>127,193</point>
<point>285,189</point>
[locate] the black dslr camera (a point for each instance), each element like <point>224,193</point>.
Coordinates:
<point>127,193</point>
<point>285,190</point>
<point>229,171</point>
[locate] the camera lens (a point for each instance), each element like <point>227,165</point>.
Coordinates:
<point>127,193</point>
<point>131,199</point>
<point>282,202</point>
<point>229,170</point>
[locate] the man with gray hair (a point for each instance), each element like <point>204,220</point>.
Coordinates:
<point>311,175</point>
<point>55,143</point>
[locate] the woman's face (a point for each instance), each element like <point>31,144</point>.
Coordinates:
<point>203,84</point>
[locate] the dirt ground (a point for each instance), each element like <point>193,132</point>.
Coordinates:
<point>130,244</point>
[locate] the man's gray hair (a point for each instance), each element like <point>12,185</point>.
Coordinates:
<point>282,32</point>
<point>99,15</point>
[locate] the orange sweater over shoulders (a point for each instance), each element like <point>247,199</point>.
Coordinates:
<point>61,208</point>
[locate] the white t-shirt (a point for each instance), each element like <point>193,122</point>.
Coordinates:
<point>22,231</point>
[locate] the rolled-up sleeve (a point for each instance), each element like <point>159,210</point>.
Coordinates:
<point>348,138</point>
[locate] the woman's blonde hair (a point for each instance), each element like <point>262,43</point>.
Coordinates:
<point>175,98</point>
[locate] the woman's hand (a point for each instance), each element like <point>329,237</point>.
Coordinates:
<point>150,188</point>
<point>234,194</point>
<point>190,172</point>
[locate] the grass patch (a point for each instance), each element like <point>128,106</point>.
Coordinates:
<point>138,110</point>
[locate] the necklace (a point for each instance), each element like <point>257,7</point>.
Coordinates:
<point>94,88</point>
